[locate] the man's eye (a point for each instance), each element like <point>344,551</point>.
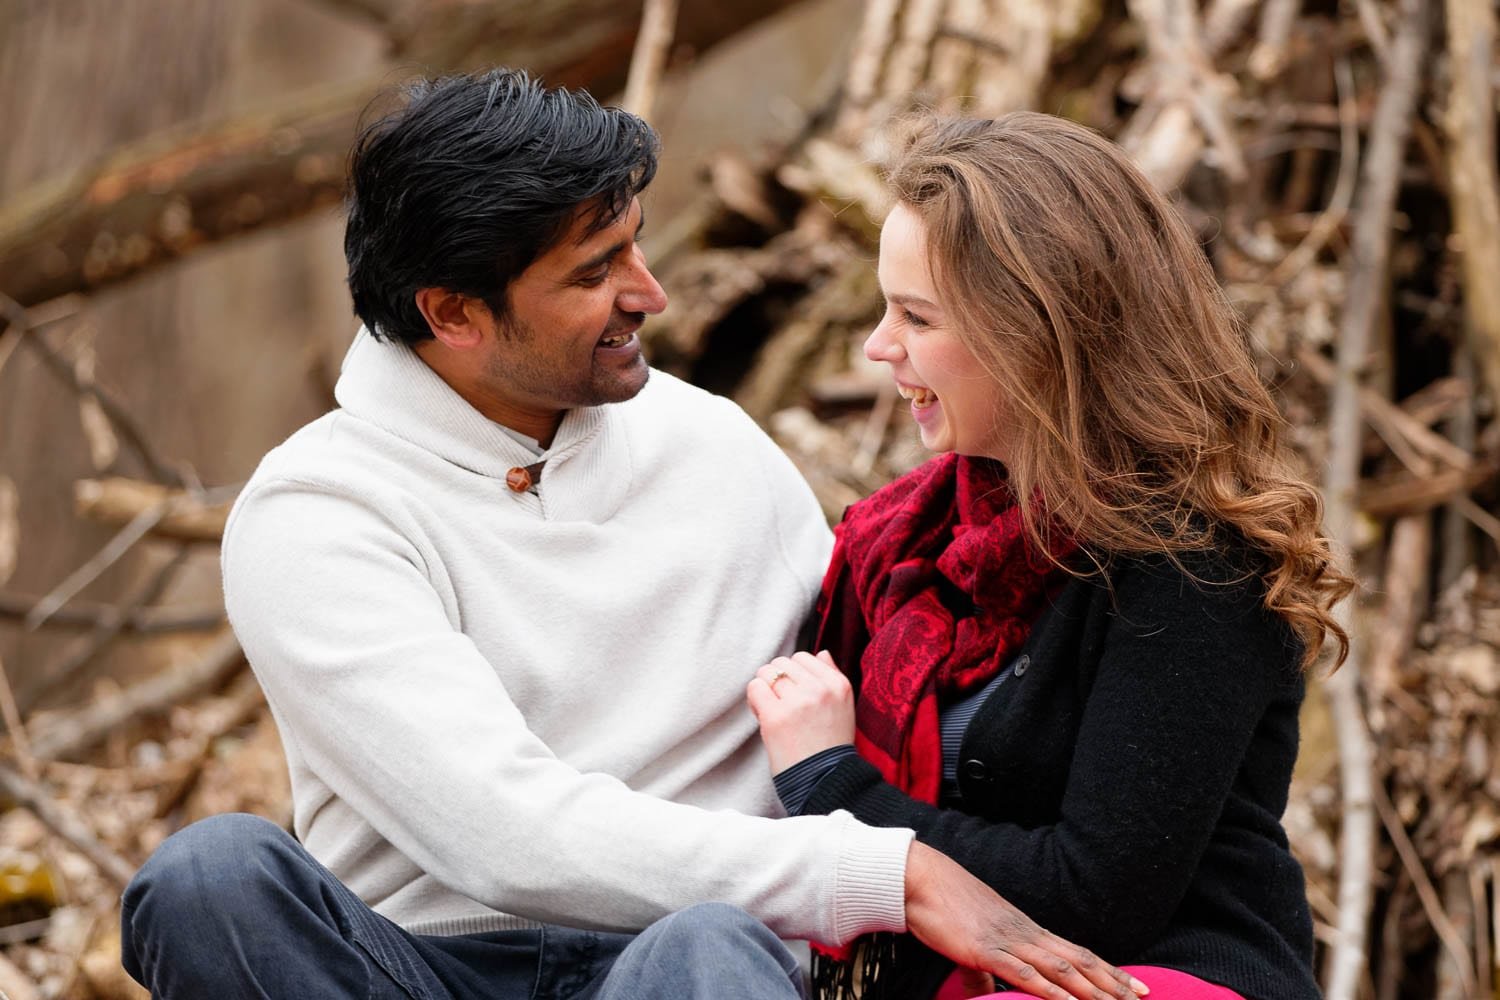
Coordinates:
<point>594,278</point>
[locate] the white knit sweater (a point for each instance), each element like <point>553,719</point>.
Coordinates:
<point>500,709</point>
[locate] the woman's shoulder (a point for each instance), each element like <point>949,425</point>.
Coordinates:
<point>1225,582</point>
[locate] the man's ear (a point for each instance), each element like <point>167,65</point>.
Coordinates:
<point>459,322</point>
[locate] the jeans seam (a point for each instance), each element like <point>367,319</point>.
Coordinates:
<point>541,953</point>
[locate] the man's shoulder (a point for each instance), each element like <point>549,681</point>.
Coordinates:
<point>688,409</point>
<point>334,455</point>
<point>315,450</point>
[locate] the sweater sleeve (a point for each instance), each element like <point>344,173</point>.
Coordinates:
<point>1162,735</point>
<point>398,714</point>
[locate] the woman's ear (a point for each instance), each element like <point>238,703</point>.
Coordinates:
<point>458,321</point>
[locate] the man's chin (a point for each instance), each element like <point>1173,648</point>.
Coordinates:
<point>622,384</point>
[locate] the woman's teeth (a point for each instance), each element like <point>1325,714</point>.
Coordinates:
<point>618,340</point>
<point>921,398</point>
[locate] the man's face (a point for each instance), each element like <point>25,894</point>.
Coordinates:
<point>569,337</point>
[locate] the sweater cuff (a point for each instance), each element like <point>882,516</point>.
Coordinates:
<point>871,887</point>
<point>796,783</point>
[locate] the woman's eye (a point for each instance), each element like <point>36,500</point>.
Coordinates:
<point>912,319</point>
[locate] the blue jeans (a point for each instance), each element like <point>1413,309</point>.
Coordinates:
<point>233,907</point>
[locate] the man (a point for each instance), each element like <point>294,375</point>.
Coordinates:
<point>504,603</point>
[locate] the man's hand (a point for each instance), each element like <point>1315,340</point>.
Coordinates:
<point>954,913</point>
<point>804,704</point>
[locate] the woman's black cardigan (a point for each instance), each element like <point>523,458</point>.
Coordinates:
<point>1124,785</point>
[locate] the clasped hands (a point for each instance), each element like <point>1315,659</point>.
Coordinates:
<point>805,705</point>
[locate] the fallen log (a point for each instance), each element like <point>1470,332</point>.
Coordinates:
<point>171,194</point>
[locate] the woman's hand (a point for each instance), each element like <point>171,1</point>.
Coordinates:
<point>804,704</point>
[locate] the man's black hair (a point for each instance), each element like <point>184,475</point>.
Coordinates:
<point>472,180</point>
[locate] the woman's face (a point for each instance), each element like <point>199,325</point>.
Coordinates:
<point>953,401</point>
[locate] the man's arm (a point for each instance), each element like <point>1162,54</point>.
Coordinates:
<point>406,723</point>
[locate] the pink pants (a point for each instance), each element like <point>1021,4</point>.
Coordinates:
<point>1166,984</point>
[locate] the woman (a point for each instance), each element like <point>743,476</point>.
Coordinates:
<point>1072,646</point>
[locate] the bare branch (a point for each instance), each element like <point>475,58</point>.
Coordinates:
<point>185,516</point>
<point>652,46</point>
<point>1475,188</point>
<point>90,571</point>
<point>64,735</point>
<point>146,621</point>
<point>39,802</point>
<point>1369,257</point>
<point>84,650</point>
<point>134,436</point>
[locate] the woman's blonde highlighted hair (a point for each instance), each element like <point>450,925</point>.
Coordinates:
<point>1132,397</point>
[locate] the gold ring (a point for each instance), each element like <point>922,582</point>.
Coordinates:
<point>778,675</point>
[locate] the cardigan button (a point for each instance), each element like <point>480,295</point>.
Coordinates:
<point>975,770</point>
<point>1022,662</point>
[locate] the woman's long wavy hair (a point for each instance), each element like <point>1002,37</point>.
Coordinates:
<point>1129,390</point>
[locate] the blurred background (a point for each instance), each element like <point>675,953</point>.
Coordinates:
<point>172,305</point>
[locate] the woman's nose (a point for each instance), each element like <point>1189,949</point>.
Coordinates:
<point>881,345</point>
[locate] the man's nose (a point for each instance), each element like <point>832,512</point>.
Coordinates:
<point>643,293</point>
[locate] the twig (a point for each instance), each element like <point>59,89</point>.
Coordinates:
<point>62,822</point>
<point>1343,189</point>
<point>17,728</point>
<point>1493,973</point>
<point>31,930</point>
<point>1223,21</point>
<point>1392,940</point>
<point>146,621</point>
<point>1186,78</point>
<point>1479,517</point>
<point>1416,494</point>
<point>188,516</point>
<point>1462,428</point>
<point>1276,22</point>
<point>652,44</point>
<point>1375,31</point>
<point>1394,424</point>
<point>1484,970</point>
<point>81,653</point>
<point>864,64</point>
<point>1474,185</point>
<point>1405,600</point>
<point>873,435</point>
<point>1426,891</point>
<point>106,557</point>
<point>65,735</point>
<point>1369,254</point>
<point>113,409</point>
<point>910,56</point>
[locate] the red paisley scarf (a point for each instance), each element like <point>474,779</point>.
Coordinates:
<point>933,588</point>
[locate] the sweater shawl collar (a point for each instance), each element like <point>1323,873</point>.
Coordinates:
<point>588,468</point>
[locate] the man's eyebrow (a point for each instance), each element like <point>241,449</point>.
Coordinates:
<point>609,253</point>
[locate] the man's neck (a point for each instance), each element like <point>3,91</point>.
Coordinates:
<point>538,424</point>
